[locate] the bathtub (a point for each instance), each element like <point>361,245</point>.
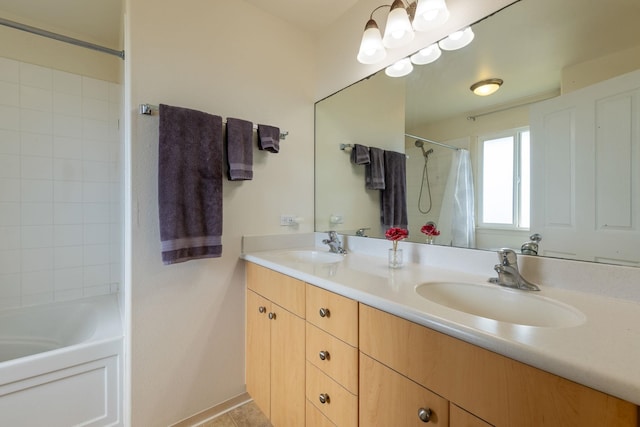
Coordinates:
<point>61,364</point>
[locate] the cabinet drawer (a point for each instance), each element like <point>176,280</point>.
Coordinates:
<point>287,292</point>
<point>340,316</point>
<point>341,407</point>
<point>340,359</point>
<point>389,398</point>
<point>315,418</point>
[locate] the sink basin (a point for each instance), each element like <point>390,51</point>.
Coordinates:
<point>314,257</point>
<point>502,304</point>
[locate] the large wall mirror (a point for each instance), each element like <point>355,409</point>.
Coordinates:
<point>571,92</point>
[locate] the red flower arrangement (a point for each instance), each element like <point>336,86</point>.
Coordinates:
<point>430,229</point>
<point>395,234</point>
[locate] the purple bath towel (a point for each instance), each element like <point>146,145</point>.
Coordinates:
<point>269,138</point>
<point>239,149</point>
<point>189,184</point>
<point>393,198</point>
<point>374,170</point>
<point>360,154</point>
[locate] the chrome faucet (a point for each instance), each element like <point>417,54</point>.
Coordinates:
<point>508,273</point>
<point>362,232</point>
<point>335,245</point>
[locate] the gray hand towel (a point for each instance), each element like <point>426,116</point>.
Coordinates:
<point>374,171</point>
<point>393,198</point>
<point>269,138</point>
<point>189,184</point>
<point>239,149</point>
<point>360,155</point>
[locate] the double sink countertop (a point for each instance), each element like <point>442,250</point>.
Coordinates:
<point>602,351</point>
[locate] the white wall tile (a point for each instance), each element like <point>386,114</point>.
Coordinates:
<point>66,104</point>
<point>68,295</point>
<point>9,142</point>
<point>36,121</point>
<point>37,259</point>
<point>68,278</point>
<point>95,171</point>
<point>67,169</point>
<point>37,299</point>
<point>10,190</point>
<point>9,166</point>
<point>96,213</point>
<point>36,214</point>
<point>9,117</point>
<point>68,83</point>
<point>37,190</point>
<point>96,254</point>
<point>96,89</point>
<point>9,238</point>
<point>68,235</point>
<point>10,261</point>
<point>37,236</point>
<point>96,192</point>
<point>36,76</point>
<point>94,291</point>
<point>95,129</point>
<point>67,148</point>
<point>10,285</point>
<point>33,167</point>
<point>67,191</point>
<point>68,256</point>
<point>9,94</point>
<point>67,213</point>
<point>37,282</point>
<point>36,144</point>
<point>9,70</point>
<point>9,213</point>
<point>96,150</point>
<point>34,98</point>
<point>96,234</point>
<point>68,126</point>
<point>115,94</point>
<point>95,275</point>
<point>95,109</point>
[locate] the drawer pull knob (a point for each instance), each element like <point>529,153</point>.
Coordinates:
<point>272,316</point>
<point>324,312</point>
<point>424,414</point>
<point>324,355</point>
<point>324,398</point>
<point>262,309</point>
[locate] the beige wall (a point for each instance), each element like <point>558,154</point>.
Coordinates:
<point>187,320</point>
<point>34,49</point>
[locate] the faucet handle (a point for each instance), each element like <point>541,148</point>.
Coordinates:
<point>507,256</point>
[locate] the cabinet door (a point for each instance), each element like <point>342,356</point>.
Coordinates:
<point>389,399</point>
<point>458,417</point>
<point>258,351</point>
<point>287,368</point>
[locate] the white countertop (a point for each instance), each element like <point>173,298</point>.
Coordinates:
<point>602,353</point>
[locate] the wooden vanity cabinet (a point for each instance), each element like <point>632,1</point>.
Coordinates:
<point>275,350</point>
<point>482,384</point>
<point>332,359</point>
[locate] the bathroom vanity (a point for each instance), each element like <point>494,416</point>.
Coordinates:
<point>359,346</point>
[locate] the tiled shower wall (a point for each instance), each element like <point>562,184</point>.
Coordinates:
<point>60,185</point>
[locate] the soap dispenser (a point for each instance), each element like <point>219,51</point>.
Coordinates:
<point>531,247</point>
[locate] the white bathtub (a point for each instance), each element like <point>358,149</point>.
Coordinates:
<point>61,364</point>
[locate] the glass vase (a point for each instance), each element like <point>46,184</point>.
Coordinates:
<point>395,258</point>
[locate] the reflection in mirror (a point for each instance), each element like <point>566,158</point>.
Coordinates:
<point>560,70</point>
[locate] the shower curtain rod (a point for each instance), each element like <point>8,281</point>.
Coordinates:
<point>60,37</point>
<point>450,147</point>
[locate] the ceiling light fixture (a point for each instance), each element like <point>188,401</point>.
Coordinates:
<point>457,40</point>
<point>427,55</point>
<point>420,15</point>
<point>400,68</point>
<point>486,87</point>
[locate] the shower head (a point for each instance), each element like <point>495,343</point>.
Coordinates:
<point>419,144</point>
<point>424,153</point>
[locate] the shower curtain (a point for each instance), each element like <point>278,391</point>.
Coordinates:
<point>457,215</point>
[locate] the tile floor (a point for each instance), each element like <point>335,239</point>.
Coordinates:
<point>247,415</point>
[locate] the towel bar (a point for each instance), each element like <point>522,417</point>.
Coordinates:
<point>148,110</point>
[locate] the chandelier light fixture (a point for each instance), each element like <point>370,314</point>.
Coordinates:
<point>401,24</point>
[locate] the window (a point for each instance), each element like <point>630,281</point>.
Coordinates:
<point>504,180</point>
